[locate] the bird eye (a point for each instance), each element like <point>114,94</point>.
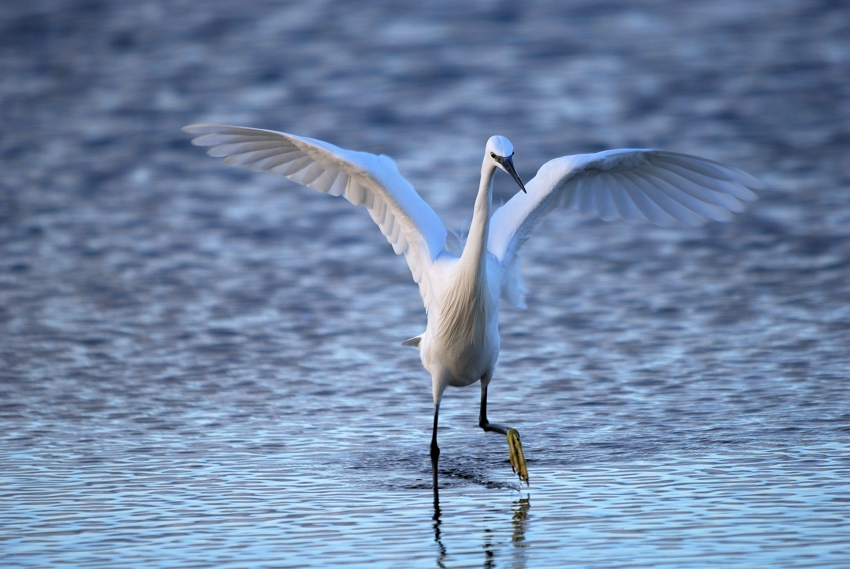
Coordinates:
<point>493,155</point>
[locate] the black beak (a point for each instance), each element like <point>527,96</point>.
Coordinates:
<point>508,164</point>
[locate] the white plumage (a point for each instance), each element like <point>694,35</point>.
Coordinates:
<point>408,223</point>
<point>460,344</point>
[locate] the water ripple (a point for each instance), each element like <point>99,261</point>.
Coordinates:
<point>200,367</point>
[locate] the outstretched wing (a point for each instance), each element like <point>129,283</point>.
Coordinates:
<point>661,187</point>
<point>408,223</point>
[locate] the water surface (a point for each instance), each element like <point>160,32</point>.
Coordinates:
<point>201,367</point>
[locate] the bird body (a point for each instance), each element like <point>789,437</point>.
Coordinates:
<point>461,341</point>
<point>460,344</point>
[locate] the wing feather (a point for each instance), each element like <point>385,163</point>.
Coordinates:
<point>572,200</point>
<point>686,199</point>
<point>661,187</point>
<point>287,165</point>
<point>325,181</point>
<point>586,201</point>
<point>724,201</point>
<point>409,224</point>
<point>673,208</point>
<point>742,192</point>
<point>652,210</point>
<point>604,199</point>
<point>626,207</point>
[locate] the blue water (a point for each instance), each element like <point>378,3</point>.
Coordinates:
<point>201,366</point>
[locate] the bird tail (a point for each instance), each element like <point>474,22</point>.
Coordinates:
<point>414,341</point>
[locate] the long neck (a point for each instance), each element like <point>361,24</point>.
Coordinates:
<point>479,230</point>
<point>464,314</point>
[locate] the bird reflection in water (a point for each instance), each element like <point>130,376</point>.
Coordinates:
<point>438,537</point>
<point>520,509</point>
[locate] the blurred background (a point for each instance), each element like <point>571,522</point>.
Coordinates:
<point>174,331</point>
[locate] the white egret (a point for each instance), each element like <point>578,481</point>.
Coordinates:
<point>460,344</point>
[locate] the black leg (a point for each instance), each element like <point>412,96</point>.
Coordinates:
<point>514,444</point>
<point>482,415</point>
<point>435,450</point>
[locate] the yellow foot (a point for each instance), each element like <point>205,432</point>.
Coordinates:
<point>517,458</point>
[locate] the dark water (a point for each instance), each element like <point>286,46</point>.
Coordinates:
<point>201,366</point>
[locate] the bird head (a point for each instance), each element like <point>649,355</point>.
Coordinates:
<point>500,151</point>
